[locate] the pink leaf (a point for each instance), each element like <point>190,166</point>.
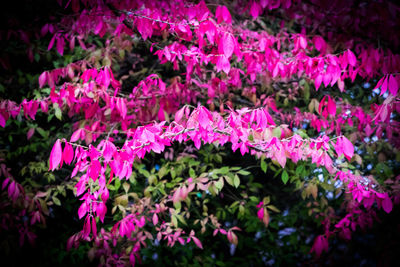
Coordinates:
<point>348,148</point>
<point>222,14</point>
<point>60,45</point>
<point>144,27</point>
<point>179,114</point>
<point>2,121</point>
<point>384,85</point>
<point>82,210</point>
<point>11,188</point>
<point>260,214</point>
<point>105,195</point>
<point>223,64</point>
<point>331,107</point>
<point>303,42</point>
<point>175,196</point>
<point>393,86</point>
<point>155,219</point>
<point>30,133</point>
<point>351,58</point>
<point>55,155</point>
<point>5,182</point>
<point>108,151</point>
<point>77,134</point>
<point>42,79</point>
<point>197,242</point>
<point>94,227</point>
<point>387,204</point>
<point>255,10</point>
<point>68,153</point>
<point>318,81</point>
<point>215,232</point>
<point>51,42</point>
<point>320,245</point>
<point>319,44</point>
<point>204,121</point>
<point>380,82</point>
<point>228,44</point>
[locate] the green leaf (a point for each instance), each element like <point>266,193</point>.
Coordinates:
<point>219,184</point>
<point>263,166</point>
<point>57,111</point>
<point>117,183</point>
<point>273,208</point>
<point>277,132</point>
<point>174,220</point>
<point>192,173</point>
<point>181,219</point>
<point>306,91</point>
<point>178,206</point>
<point>144,172</point>
<point>229,180</point>
<point>299,170</point>
<point>285,177</point>
<point>236,181</point>
<point>42,132</point>
<point>244,173</point>
<point>224,170</point>
<point>162,172</point>
<point>56,201</point>
<point>126,187</point>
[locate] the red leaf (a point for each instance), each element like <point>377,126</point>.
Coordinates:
<point>55,155</point>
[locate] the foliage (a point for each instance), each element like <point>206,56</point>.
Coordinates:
<point>221,133</point>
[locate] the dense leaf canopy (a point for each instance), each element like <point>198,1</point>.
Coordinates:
<point>204,133</point>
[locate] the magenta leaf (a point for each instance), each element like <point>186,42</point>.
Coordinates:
<point>348,148</point>
<point>55,155</point>
<point>197,242</point>
<point>228,44</point>
<point>393,86</point>
<point>387,204</point>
